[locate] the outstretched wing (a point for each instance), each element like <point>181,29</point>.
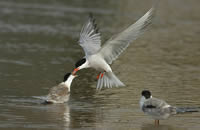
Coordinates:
<point>115,46</point>
<point>90,39</point>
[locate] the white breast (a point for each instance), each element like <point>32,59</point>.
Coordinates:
<point>98,63</point>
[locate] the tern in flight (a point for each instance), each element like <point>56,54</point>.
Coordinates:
<point>101,57</point>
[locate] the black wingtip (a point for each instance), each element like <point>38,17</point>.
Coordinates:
<point>96,28</point>
<point>91,17</point>
<point>93,21</point>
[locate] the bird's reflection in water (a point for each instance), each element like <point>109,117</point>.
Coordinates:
<point>66,115</point>
<point>160,127</point>
<point>60,113</point>
<point>82,114</point>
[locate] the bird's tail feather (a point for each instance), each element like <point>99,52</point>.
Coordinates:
<point>108,81</point>
<point>181,110</point>
<point>173,110</point>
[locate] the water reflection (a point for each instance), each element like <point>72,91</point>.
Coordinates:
<point>59,112</point>
<point>160,127</point>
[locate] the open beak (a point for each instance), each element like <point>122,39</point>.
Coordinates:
<point>75,70</point>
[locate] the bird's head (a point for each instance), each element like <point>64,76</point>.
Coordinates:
<point>68,79</point>
<point>146,94</point>
<point>81,64</point>
<point>69,76</point>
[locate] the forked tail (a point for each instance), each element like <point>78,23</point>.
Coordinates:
<point>108,81</point>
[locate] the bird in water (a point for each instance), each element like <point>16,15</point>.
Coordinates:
<point>61,92</point>
<point>158,109</point>
<point>101,57</point>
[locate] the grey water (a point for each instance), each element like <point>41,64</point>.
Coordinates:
<point>39,44</point>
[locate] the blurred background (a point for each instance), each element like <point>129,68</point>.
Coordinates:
<point>39,44</point>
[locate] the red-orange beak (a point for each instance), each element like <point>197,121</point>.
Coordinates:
<point>75,70</point>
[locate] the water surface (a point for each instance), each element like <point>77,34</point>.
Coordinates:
<point>38,45</point>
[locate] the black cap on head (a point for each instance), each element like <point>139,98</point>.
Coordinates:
<point>80,62</point>
<point>66,76</point>
<point>146,94</point>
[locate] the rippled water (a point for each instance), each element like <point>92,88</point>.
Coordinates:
<point>38,45</point>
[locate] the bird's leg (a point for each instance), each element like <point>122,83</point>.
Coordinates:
<point>102,74</point>
<point>98,75</point>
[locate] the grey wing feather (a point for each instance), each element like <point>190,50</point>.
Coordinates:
<point>158,107</point>
<point>115,46</point>
<point>90,39</point>
<point>181,110</point>
<point>154,102</point>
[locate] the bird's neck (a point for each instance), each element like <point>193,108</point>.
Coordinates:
<point>68,82</point>
<point>85,65</point>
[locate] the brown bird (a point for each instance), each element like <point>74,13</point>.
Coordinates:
<point>61,92</point>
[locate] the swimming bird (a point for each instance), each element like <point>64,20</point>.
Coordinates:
<point>61,92</point>
<point>158,109</point>
<point>100,58</point>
